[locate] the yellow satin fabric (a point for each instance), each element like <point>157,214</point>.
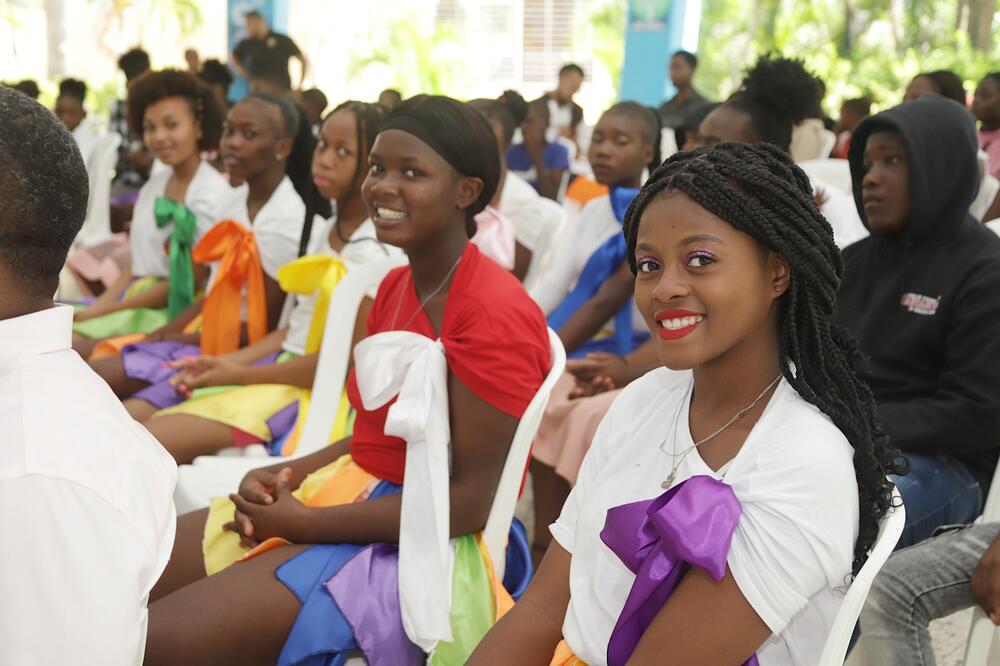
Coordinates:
<point>340,482</point>
<point>320,275</point>
<point>235,248</point>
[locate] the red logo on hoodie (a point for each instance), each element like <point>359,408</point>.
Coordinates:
<point>920,304</point>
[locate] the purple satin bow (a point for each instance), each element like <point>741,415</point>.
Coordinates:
<point>691,524</point>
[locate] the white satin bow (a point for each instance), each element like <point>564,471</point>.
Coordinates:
<point>412,368</point>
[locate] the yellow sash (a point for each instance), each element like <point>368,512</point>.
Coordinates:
<point>319,274</point>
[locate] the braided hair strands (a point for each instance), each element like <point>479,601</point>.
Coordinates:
<point>758,190</point>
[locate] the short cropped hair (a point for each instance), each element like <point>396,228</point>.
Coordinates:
<point>571,67</point>
<point>74,88</point>
<point>133,62</point>
<point>690,58</point>
<point>43,192</point>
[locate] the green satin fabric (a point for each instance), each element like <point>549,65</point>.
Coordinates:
<point>181,282</point>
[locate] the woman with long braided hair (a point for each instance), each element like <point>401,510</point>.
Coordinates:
<point>725,513</point>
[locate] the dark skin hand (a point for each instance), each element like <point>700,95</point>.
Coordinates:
<point>601,371</point>
<point>476,464</point>
<point>986,582</point>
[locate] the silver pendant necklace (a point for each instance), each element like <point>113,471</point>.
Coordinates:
<point>675,461</point>
<point>425,301</point>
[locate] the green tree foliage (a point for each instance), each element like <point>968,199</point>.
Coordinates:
<point>858,47</point>
<point>603,33</point>
<point>423,58</point>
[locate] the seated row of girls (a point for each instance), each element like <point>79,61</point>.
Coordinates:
<point>517,200</point>
<point>773,97</point>
<point>263,144</point>
<point>625,143</point>
<point>696,532</point>
<point>179,119</point>
<point>266,406</point>
<point>451,321</point>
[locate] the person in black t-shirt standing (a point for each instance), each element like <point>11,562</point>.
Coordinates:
<point>262,57</point>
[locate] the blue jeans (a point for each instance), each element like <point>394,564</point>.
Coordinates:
<point>939,490</point>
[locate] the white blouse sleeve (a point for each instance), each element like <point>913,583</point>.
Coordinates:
<point>796,534</point>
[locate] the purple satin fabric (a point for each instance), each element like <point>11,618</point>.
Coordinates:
<point>691,524</point>
<point>366,590</point>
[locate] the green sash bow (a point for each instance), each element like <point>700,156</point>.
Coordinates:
<point>181,281</point>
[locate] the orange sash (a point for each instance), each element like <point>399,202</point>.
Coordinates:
<point>234,247</point>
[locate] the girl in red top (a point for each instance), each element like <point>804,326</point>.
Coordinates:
<point>433,167</point>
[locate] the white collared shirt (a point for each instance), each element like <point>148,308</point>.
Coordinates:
<point>209,197</point>
<point>277,226</point>
<point>86,505</point>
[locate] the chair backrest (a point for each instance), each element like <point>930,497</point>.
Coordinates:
<point>335,350</point>
<point>100,170</point>
<point>829,142</point>
<point>834,172</point>
<point>554,216</point>
<point>835,648</point>
<point>502,511</point>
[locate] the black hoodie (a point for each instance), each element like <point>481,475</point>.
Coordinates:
<point>925,305</point>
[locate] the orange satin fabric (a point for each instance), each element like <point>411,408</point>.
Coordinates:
<point>583,190</point>
<point>565,657</point>
<point>234,247</point>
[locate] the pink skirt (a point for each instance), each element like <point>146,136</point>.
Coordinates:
<point>568,427</point>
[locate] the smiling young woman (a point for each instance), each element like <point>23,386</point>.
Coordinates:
<point>452,323</point>
<point>736,274</point>
<point>178,118</point>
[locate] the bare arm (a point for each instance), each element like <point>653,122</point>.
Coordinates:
<point>236,367</point>
<point>592,315</point>
<point>233,58</point>
<point>530,632</point>
<point>522,261</point>
<point>480,437</point>
<point>108,297</point>
<point>154,297</point>
<point>686,631</point>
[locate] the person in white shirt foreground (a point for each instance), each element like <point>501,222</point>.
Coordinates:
<point>725,512</point>
<point>86,494</point>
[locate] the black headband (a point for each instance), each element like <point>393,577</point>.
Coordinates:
<point>411,124</point>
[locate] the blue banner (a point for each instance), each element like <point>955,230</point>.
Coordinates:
<point>655,30</point>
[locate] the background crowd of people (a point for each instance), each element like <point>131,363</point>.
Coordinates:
<point>768,313</point>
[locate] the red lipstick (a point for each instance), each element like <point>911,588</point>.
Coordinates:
<point>677,324</point>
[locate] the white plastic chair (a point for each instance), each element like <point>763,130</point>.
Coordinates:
<point>554,230</point>
<point>100,170</point>
<point>502,512</point>
<point>214,476</point>
<point>840,634</point>
<point>834,172</point>
<point>981,646</point>
<point>829,142</point>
